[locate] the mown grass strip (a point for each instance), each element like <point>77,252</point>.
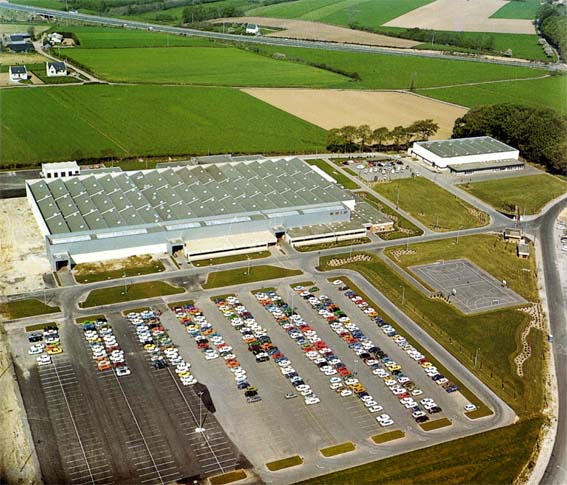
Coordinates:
<point>338,176</point>
<point>181,303</point>
<point>230,259</point>
<point>479,413</point>
<point>88,319</point>
<point>137,291</point>
<point>40,326</point>
<point>228,477</point>
<point>241,276</point>
<point>328,245</point>
<point>337,449</point>
<point>274,466</point>
<point>389,436</point>
<point>134,266</point>
<point>437,424</point>
<point>26,308</point>
<point>496,456</point>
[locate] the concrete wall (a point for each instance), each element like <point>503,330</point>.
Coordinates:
<point>79,258</point>
<point>37,213</point>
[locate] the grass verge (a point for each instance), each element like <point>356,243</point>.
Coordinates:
<point>180,303</point>
<point>240,276</point>
<point>404,228</point>
<point>228,477</point>
<point>337,449</point>
<point>132,266</point>
<point>497,456</point>
<point>389,436</point>
<point>338,176</point>
<point>230,259</point>
<point>26,308</point>
<point>137,291</point>
<point>89,318</point>
<point>339,244</point>
<point>437,424</point>
<point>274,466</point>
<point>530,193</point>
<point>431,205</point>
<point>40,326</point>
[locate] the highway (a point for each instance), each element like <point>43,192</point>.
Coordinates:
<point>331,46</point>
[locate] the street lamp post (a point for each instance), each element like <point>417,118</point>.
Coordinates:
<point>199,428</point>
<point>403,294</point>
<point>355,367</point>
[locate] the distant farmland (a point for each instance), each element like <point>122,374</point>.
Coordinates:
<point>200,65</point>
<point>79,122</point>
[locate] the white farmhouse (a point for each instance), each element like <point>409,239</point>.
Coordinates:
<point>18,73</point>
<point>54,69</point>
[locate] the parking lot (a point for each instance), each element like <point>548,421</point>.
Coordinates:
<point>467,286</point>
<point>160,423</point>
<point>106,428</point>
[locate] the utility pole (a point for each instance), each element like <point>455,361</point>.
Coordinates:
<point>476,357</point>
<point>398,198</point>
<point>403,294</point>
<point>199,428</point>
<point>458,233</point>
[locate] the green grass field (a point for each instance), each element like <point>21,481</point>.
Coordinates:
<point>231,259</point>
<point>549,92</point>
<point>432,205</point>
<point>242,276</point>
<point>52,4</point>
<point>524,46</point>
<point>518,9</point>
<point>108,37</point>
<point>370,13</point>
<point>494,457</point>
<point>129,121</point>
<point>133,266</point>
<point>379,71</point>
<point>26,308</point>
<point>137,291</point>
<point>529,193</point>
<point>338,176</point>
<point>199,65</point>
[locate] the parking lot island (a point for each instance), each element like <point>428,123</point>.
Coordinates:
<point>241,276</point>
<point>137,291</point>
<point>277,465</point>
<point>437,424</point>
<point>337,449</point>
<point>229,477</point>
<point>382,438</point>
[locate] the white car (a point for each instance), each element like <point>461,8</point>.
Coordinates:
<point>470,407</point>
<point>346,393</point>
<point>312,399</point>
<point>338,282</point>
<point>335,379</point>
<point>123,371</point>
<point>367,398</point>
<point>211,355</point>
<point>36,349</point>
<point>335,385</point>
<point>182,367</point>
<point>375,409</point>
<point>43,359</point>
<point>188,380</point>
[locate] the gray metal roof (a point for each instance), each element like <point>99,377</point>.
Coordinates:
<point>461,147</point>
<point>107,201</point>
<point>475,166</point>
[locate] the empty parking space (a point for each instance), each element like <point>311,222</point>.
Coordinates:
<point>466,285</point>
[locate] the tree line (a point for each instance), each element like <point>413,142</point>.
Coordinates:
<point>552,21</point>
<point>484,42</point>
<point>539,133</point>
<point>351,138</point>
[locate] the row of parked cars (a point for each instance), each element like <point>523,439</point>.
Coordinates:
<point>104,347</point>
<point>159,346</point>
<point>428,367</point>
<point>260,344</point>
<point>389,371</point>
<point>320,353</point>
<point>212,344</point>
<point>44,344</point>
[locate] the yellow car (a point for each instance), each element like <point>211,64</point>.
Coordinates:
<point>184,374</point>
<point>425,365</point>
<point>54,350</point>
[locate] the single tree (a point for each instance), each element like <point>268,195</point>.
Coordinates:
<point>398,134</point>
<point>364,135</point>
<point>335,140</point>
<point>381,136</point>
<point>423,129</point>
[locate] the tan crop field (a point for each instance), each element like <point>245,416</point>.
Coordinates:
<point>333,108</point>
<point>462,16</point>
<point>305,30</point>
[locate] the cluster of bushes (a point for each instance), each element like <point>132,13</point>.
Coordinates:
<point>350,138</point>
<point>201,13</point>
<point>552,22</point>
<point>539,133</point>
<point>484,42</point>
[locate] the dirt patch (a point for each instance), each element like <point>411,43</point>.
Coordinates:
<point>331,108</point>
<point>462,16</point>
<point>305,30</point>
<point>23,259</point>
<point>14,58</point>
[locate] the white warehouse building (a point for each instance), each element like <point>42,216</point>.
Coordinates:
<point>468,155</point>
<point>204,210</point>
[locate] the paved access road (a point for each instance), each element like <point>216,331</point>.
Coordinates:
<point>275,40</point>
